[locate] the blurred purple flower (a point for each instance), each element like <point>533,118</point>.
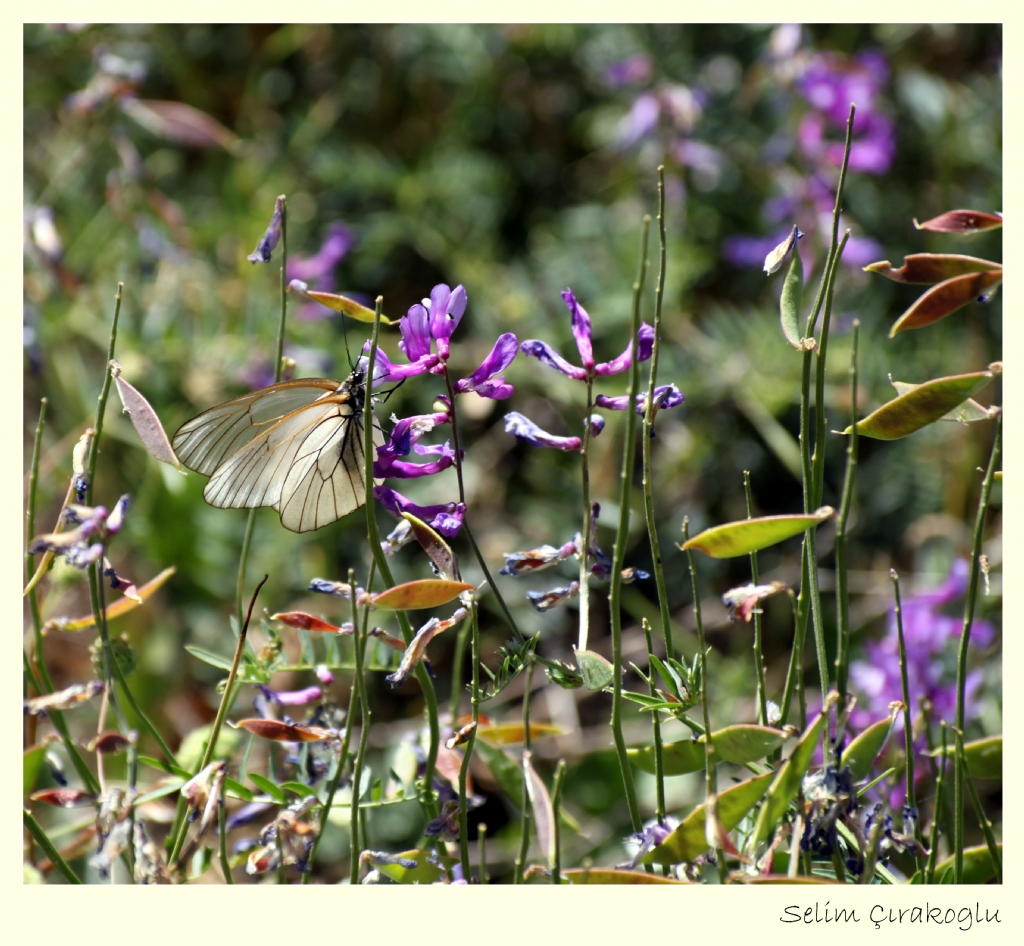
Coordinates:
<point>291,697</point>
<point>665,396</point>
<point>635,70</point>
<point>485,381</point>
<point>319,269</point>
<point>445,518</point>
<point>526,431</point>
<point>596,424</point>
<point>639,122</point>
<point>272,236</point>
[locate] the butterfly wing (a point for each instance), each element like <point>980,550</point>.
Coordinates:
<point>207,440</point>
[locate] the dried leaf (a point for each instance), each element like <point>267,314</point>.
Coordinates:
<point>341,304</point>
<point>436,548</point>
<point>773,261</point>
<point>63,797</point>
<point>945,298</point>
<point>609,875</point>
<point>416,595</point>
<point>285,732</point>
<point>114,610</point>
<point>309,622</point>
<point>179,123</point>
<point>63,699</point>
<point>147,425</point>
<point>930,268</point>
<point>961,221</point>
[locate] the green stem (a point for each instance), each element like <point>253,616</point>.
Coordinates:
<point>984,823</point>
<point>101,404</point>
<point>243,562</point>
<point>584,633</point>
<point>929,871</point>
<point>622,536</point>
<point>556,808</point>
<point>222,710</point>
<point>524,826</point>
<point>842,585</point>
<point>455,698</point>
<point>373,536</point>
<point>225,865</point>
<point>47,845</point>
<point>965,639</point>
<point>364,731</point>
<point>659,761</point>
<point>648,425</point>
<point>794,675</point>
<point>470,743</point>
<point>908,735</point>
<point>762,695</point>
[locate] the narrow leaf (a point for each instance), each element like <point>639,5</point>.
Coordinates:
<point>166,767</point>
<point>237,789</point>
<point>961,221</point>
<point>862,751</point>
<point>689,840</point>
<point>946,297</point>
<point>422,594</point>
<point>436,548</point>
<point>543,813</point>
<point>789,302</point>
<point>609,875</point>
<point>745,743</point>
<point>285,732</point>
<point>145,421</point>
<point>309,622</point>
<point>930,268</point>
<point>207,657</point>
<point>984,756</point>
<point>114,610</point>
<point>923,405</point>
<point>268,787</point>
<point>787,780</point>
<point>298,788</point>
<point>752,535</point>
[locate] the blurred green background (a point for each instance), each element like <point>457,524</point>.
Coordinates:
<point>499,157</point>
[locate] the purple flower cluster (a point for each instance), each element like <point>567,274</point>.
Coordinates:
<point>926,632</point>
<point>426,331</point>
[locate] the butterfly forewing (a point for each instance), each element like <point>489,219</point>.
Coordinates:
<point>207,440</point>
<point>305,461</point>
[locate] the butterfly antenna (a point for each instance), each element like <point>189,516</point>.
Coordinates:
<point>348,353</point>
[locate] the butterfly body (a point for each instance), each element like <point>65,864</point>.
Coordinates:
<point>296,447</point>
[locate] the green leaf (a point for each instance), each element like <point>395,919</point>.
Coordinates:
<point>922,405</point>
<point>32,765</point>
<point>789,302</point>
<point>267,786</point>
<point>423,594</point>
<point>299,789</point>
<point>946,297</point>
<point>930,268</point>
<point>161,766</point>
<point>237,790</point>
<point>609,875</point>
<point>688,841</point>
<point>978,866</point>
<point>969,412</point>
<point>678,758</point>
<point>787,780</point>
<point>745,743</point>
<point>423,873</point>
<point>168,789</point>
<point>597,672</point>
<point>984,756</point>
<point>862,751</point>
<point>208,657</point>
<point>752,535</point>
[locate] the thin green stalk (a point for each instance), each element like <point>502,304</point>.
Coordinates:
<point>47,845</point>
<point>556,809</point>
<point>983,822</point>
<point>459,658</point>
<point>965,639</point>
<point>364,732</point>
<point>584,633</point>
<point>225,865</point>
<point>648,425</point>
<point>842,585</point>
<point>659,760</point>
<point>481,836</point>
<point>222,711</point>
<point>794,674</point>
<point>101,404</point>
<point>373,536</point>
<point>944,813</point>
<point>908,735</point>
<point>250,523</point>
<point>622,537</point>
<point>929,871</point>
<point>710,766</point>
<point>762,695</point>
<point>474,625</point>
<point>527,819</point>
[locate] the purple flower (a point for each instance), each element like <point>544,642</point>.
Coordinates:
<point>665,396</point>
<point>291,697</point>
<point>385,371</point>
<point>745,252</point>
<point>265,248</point>
<point>635,70</point>
<point>518,564</point>
<point>546,600</point>
<point>445,518</point>
<point>484,380</point>
<point>640,121</point>
<point>526,431</point>
<point>434,319</point>
<point>596,424</point>
<point>581,330</point>
<point>404,438</point>
<point>319,269</point>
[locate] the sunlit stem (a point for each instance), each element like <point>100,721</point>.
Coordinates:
<point>842,583</point>
<point>762,697</point>
<point>373,537</point>
<point>940,783</point>
<point>659,760</point>
<point>622,536</point>
<point>225,864</point>
<point>470,743</point>
<point>364,729</point>
<point>648,425</point>
<point>527,811</point>
<point>584,634</point>
<point>965,638</point>
<point>908,734</point>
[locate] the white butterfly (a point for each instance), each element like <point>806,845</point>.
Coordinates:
<point>295,446</point>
